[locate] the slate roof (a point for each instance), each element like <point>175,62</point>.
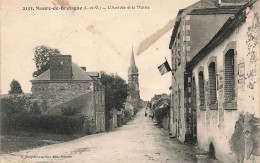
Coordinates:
<point>233,1</point>
<point>162,102</point>
<point>203,7</point>
<point>77,72</point>
<point>225,31</point>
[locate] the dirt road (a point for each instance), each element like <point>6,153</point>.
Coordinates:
<point>138,141</point>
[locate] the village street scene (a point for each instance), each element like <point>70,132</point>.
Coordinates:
<point>187,92</point>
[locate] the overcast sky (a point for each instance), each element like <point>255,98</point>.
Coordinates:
<point>96,39</point>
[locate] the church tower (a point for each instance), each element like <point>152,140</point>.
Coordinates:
<point>133,83</point>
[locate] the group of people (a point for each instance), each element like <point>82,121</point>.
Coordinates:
<point>150,114</point>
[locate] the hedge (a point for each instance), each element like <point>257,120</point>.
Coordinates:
<point>161,113</point>
<point>58,124</point>
<point>21,112</point>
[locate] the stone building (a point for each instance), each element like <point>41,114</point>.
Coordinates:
<point>66,85</point>
<point>225,88</point>
<point>163,104</point>
<point>129,107</point>
<point>194,28</point>
<point>133,83</point>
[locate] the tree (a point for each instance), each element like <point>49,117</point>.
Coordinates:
<point>42,58</point>
<point>116,91</point>
<point>15,88</point>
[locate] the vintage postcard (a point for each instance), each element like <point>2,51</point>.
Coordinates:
<point>107,81</point>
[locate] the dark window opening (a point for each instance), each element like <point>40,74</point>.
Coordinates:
<point>212,151</point>
<point>229,85</point>
<point>212,83</point>
<point>201,88</point>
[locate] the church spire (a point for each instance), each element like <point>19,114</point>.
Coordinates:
<point>133,59</point>
<point>133,68</point>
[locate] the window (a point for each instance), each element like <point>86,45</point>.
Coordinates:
<point>201,88</point>
<point>229,84</point>
<point>96,97</point>
<point>103,99</point>
<point>212,83</point>
<point>174,67</point>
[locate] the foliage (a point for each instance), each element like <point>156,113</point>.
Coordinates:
<point>116,91</point>
<point>20,104</point>
<point>70,111</point>
<point>42,58</point>
<point>128,115</point>
<point>58,124</point>
<point>161,113</point>
<point>22,113</point>
<point>15,88</point>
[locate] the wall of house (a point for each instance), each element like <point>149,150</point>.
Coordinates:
<point>55,93</point>
<point>129,107</point>
<point>113,121</point>
<point>165,122</point>
<point>178,126</point>
<point>99,101</point>
<point>232,127</point>
<point>194,32</point>
<point>84,103</point>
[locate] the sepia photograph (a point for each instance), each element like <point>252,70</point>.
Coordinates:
<point>129,81</point>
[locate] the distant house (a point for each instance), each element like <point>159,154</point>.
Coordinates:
<point>66,85</point>
<point>130,107</point>
<point>164,104</point>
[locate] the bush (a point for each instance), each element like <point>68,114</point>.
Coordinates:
<point>21,112</point>
<point>160,114</point>
<point>128,115</point>
<point>15,88</point>
<point>58,124</point>
<point>70,111</point>
<point>19,104</point>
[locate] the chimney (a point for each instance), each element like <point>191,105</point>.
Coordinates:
<point>60,67</point>
<point>83,68</point>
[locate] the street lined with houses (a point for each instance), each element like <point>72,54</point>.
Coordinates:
<point>139,141</point>
<point>209,114</point>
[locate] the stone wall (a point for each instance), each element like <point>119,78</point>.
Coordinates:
<point>194,32</point>
<point>91,96</point>
<point>232,127</point>
<point>178,110</point>
<point>58,92</point>
<point>165,122</point>
<point>99,102</point>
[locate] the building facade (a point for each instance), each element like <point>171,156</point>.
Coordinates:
<point>194,27</point>
<point>65,85</point>
<point>225,89</point>
<point>133,84</point>
<point>163,104</point>
<point>215,78</point>
<point>129,107</point>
